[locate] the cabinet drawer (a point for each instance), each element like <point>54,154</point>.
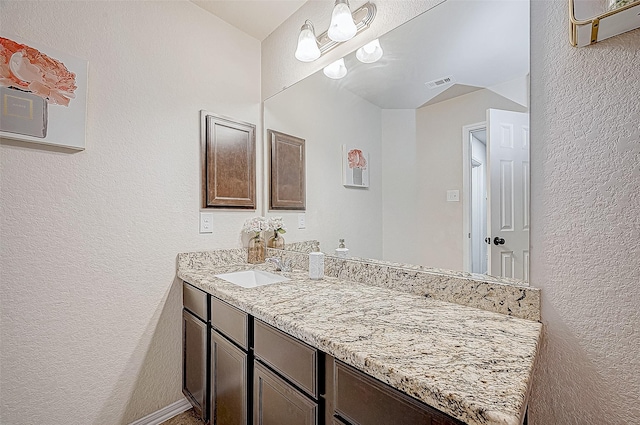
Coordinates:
<point>230,321</point>
<point>275,402</point>
<point>195,300</point>
<point>295,360</point>
<point>362,400</point>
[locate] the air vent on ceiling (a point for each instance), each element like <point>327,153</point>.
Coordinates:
<point>440,82</point>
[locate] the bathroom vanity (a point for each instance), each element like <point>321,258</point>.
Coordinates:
<point>342,352</point>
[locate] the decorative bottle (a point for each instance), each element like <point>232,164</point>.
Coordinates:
<point>256,250</point>
<point>276,241</point>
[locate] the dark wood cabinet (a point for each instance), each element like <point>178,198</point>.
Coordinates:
<point>228,163</point>
<point>194,362</point>
<point>229,382</point>
<point>278,403</point>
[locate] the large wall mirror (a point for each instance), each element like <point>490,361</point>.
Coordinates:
<point>443,116</point>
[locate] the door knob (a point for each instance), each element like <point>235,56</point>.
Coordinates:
<point>498,241</point>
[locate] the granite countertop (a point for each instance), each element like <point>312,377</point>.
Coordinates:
<point>472,364</point>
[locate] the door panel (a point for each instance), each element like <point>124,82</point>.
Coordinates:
<point>508,192</point>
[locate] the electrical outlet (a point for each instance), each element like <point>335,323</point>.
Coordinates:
<point>453,195</point>
<point>302,221</point>
<point>206,222</point>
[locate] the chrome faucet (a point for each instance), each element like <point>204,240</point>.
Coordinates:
<point>281,265</point>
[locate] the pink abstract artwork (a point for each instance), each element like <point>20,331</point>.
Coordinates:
<point>355,170</point>
<point>43,94</point>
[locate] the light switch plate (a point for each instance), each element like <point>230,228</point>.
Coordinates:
<point>453,196</point>
<point>302,221</point>
<point>206,222</point>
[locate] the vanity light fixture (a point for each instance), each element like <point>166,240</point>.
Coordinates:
<point>336,70</point>
<point>342,27</point>
<point>360,19</point>
<point>307,50</point>
<point>370,52</point>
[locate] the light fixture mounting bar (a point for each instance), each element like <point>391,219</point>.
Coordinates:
<point>362,16</point>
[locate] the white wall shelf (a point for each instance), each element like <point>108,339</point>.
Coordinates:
<point>590,22</point>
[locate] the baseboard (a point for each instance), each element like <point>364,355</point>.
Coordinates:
<point>166,413</point>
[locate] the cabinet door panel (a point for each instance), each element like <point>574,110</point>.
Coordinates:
<point>228,382</point>
<point>278,403</point>
<point>194,362</point>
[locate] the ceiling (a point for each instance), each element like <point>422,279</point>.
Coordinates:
<point>479,43</point>
<point>258,18</point>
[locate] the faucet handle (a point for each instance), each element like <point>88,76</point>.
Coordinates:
<point>286,265</point>
<point>275,261</point>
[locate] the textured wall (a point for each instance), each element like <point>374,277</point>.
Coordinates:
<point>585,244</point>
<point>90,311</point>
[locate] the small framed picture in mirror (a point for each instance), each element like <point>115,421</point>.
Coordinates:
<point>355,167</point>
<point>287,172</point>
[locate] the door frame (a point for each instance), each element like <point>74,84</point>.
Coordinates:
<point>466,191</point>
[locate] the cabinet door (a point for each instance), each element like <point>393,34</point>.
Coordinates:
<point>278,403</point>
<point>194,362</point>
<point>228,382</point>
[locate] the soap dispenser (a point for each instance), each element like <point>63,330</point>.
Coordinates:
<point>341,251</point>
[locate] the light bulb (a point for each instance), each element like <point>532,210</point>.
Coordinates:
<point>342,27</point>
<point>370,52</point>
<point>307,50</point>
<point>335,70</point>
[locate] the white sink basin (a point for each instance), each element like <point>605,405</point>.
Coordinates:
<point>252,278</point>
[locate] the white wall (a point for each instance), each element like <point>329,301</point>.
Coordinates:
<point>439,151</point>
<point>90,320</point>
<point>327,120</point>
<point>585,239</point>
<point>400,167</point>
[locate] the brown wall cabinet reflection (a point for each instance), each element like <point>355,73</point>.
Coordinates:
<point>228,163</point>
<point>287,169</point>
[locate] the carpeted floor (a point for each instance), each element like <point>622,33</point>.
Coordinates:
<point>186,418</point>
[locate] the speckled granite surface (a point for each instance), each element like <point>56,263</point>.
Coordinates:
<point>481,291</point>
<point>472,364</point>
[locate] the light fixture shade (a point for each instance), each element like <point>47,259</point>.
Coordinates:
<point>370,52</point>
<point>307,50</point>
<point>342,27</point>
<point>335,70</point>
